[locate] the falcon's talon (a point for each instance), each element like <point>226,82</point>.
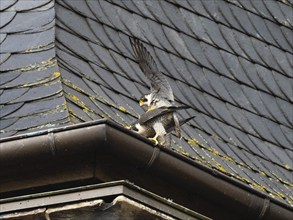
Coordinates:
<point>150,109</point>
<point>154,139</point>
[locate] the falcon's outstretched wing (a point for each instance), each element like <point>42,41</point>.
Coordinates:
<point>160,87</point>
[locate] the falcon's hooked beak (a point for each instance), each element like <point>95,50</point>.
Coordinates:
<point>143,101</point>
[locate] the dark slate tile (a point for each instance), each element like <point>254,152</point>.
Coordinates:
<point>125,67</point>
<point>260,7</point>
<point>30,78</point>
<point>38,107</point>
<point>175,16</point>
<point>246,143</point>
<point>77,66</point>
<point>8,77</point>
<point>217,83</point>
<point>85,107</point>
<point>144,30</point>
<point>282,61</point>
<point>76,23</point>
<point>261,28</point>
<point>39,92</point>
<point>282,156</point>
<point>105,57</point>
<point>164,62</point>
<point>157,30</point>
<point>31,122</point>
<point>287,12</point>
<point>196,49</point>
<point>200,77</point>
<point>45,7</point>
<point>229,36</point>
<point>75,81</point>
<point>213,31</point>
<point>287,131</point>
<point>286,108</point>
<point>109,78</point>
<point>266,76</point>
<point>216,60</point>
<point>7,110</point>
<point>110,9</point>
<point>6,4</point>
<point>211,127</point>
<point>273,107</point>
<point>198,8</point>
<point>241,120</point>
<point>277,34</point>
<point>17,61</point>
<point>99,31</point>
<point>101,74</point>
<point>246,45</point>
<point>200,102</point>
<point>129,5</point>
<point>226,13</point>
<point>26,6</point>
<point>288,36</point>
<point>191,96</point>
<point>101,93</point>
<point>251,73</point>
<point>255,100</point>
<point>212,8</point>
<point>77,45</point>
<point>6,17</point>
<point>120,40</point>
<point>193,22</point>
<point>98,11</point>
<point>156,10</point>
<point>265,54</point>
<point>80,7</point>
<point>129,86</point>
<point>11,94</point>
<point>4,57</point>
<point>235,68</point>
<point>181,71</point>
<point>141,6</point>
<point>2,37</point>
<point>5,123</point>
<point>25,42</point>
<point>221,110</point>
<point>242,18</point>
<point>130,24</point>
<point>274,9</point>
<point>25,21</point>
<point>259,126</point>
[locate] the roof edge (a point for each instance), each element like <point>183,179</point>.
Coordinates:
<point>106,151</point>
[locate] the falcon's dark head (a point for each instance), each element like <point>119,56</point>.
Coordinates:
<point>145,100</point>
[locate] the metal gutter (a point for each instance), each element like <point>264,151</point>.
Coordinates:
<point>105,151</point>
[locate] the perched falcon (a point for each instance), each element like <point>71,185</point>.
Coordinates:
<point>161,92</point>
<point>157,123</point>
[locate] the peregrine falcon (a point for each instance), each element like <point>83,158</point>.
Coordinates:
<point>161,92</point>
<point>157,123</point>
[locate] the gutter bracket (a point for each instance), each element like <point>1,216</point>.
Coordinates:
<point>155,155</point>
<point>265,208</point>
<point>51,141</point>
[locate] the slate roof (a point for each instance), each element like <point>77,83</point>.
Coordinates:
<point>65,62</point>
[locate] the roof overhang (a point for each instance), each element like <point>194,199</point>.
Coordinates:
<point>119,198</point>
<point>104,151</point>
